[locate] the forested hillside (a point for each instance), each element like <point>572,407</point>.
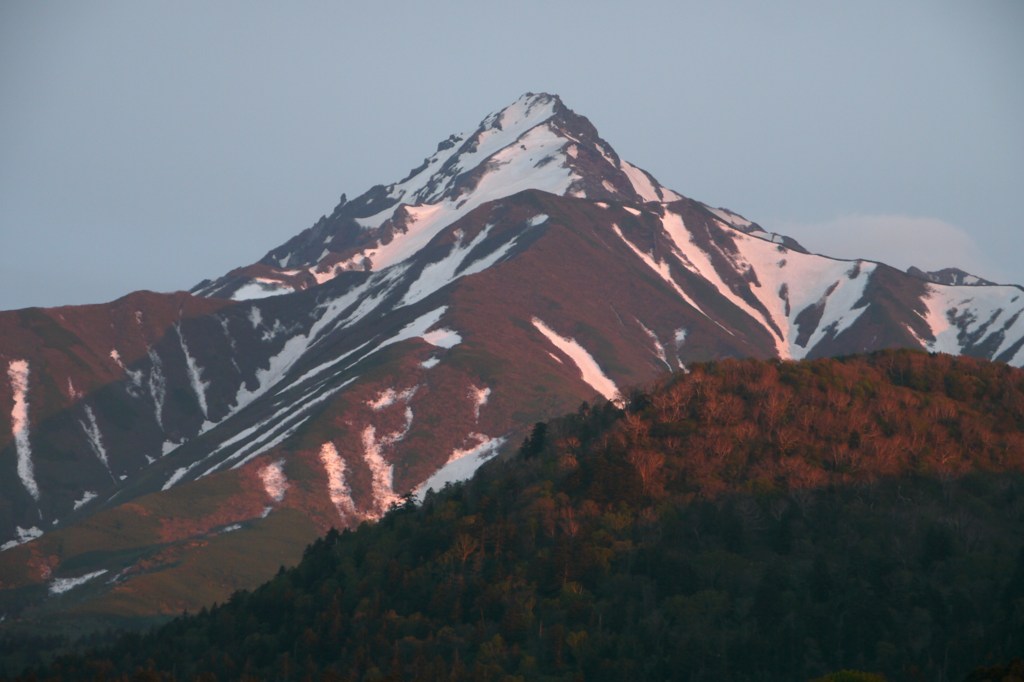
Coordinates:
<point>747,520</point>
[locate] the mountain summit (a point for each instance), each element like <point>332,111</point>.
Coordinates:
<point>536,143</point>
<point>162,450</point>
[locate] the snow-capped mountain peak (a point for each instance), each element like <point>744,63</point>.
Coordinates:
<point>438,178</point>
<point>535,143</point>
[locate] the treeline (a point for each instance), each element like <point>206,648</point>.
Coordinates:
<point>748,520</point>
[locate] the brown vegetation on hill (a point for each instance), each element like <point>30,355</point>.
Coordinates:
<point>748,520</point>
<point>747,425</point>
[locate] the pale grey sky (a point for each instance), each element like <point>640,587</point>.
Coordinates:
<point>147,145</point>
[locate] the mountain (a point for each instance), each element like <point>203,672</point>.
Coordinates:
<point>747,520</point>
<point>537,143</point>
<point>949,276</point>
<point>163,450</point>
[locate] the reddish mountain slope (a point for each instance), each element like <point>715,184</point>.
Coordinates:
<point>186,445</point>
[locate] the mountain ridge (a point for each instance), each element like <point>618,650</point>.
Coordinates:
<point>539,125</point>
<point>408,348</point>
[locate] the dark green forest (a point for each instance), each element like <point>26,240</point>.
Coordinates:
<point>746,520</point>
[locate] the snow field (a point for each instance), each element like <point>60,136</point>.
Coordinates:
<point>644,186</point>
<point>789,282</point>
<point>808,280</point>
<point>958,314</point>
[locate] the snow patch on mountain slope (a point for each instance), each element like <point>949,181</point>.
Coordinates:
<point>420,327</point>
<point>261,287</point>
<point>369,434</point>
<point>659,350</point>
<point>275,331</point>
<point>465,152</point>
<point>330,315</point>
<point>408,425</point>
<point>87,496</point>
<point>728,217</point>
<point>93,435</point>
<point>381,473</point>
<point>534,161</point>
<point>541,165</point>
<point>590,371</point>
<point>323,367</point>
<point>271,439</point>
<point>18,372</point>
<point>964,316</point>
<point>791,282</point>
<point>377,290</point>
<point>810,280</point>
<point>695,259</point>
<point>194,373</point>
<point>177,476</point>
<point>337,487</point>
<point>22,535</point>
<point>271,432</point>
<point>660,268</point>
<point>62,585</point>
<point>443,338</point>
<point>225,328</point>
<point>157,386</point>
<point>134,376</point>
<point>507,127</point>
<point>479,397</point>
<point>453,266</point>
<point>388,397</point>
<point>644,186</point>
<point>422,223</point>
<point>73,393</point>
<point>462,463</point>
<point>277,366</point>
<point>275,483</point>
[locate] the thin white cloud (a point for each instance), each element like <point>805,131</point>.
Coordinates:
<point>897,240</point>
